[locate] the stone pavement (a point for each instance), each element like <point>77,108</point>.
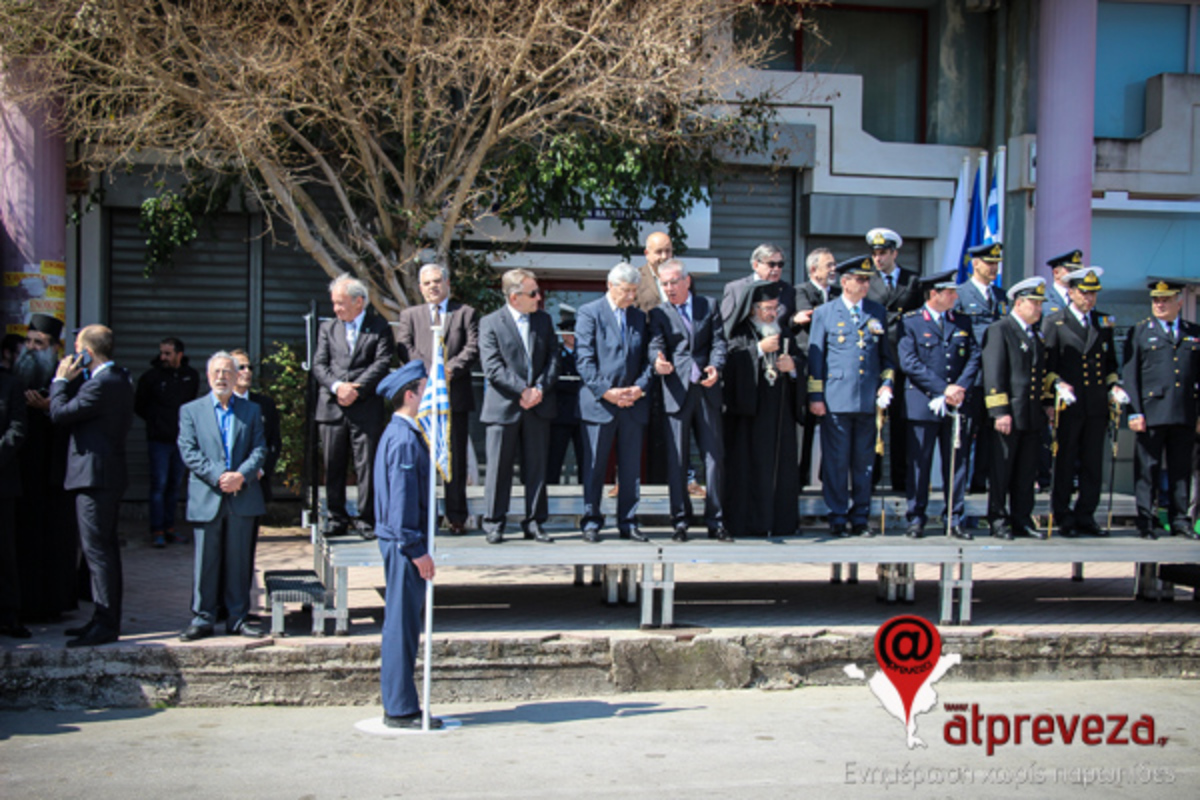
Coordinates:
<point>491,619</point>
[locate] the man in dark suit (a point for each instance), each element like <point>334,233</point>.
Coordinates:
<point>272,433</point>
<point>1081,359</point>
<point>941,358</point>
<point>519,352</point>
<point>611,340</point>
<point>12,434</point>
<point>658,251</point>
<point>460,337</point>
<point>687,348</point>
<point>982,304</point>
<point>895,288</point>
<point>565,430</point>
<point>1162,377</point>
<point>850,376</point>
<point>766,264</point>
<point>97,405</point>
<point>1014,380</point>
<point>222,443</point>
<point>354,353</point>
<point>819,289</point>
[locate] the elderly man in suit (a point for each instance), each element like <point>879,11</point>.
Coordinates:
<point>94,397</point>
<point>687,346</point>
<point>519,351</point>
<point>850,374</point>
<point>354,353</point>
<point>766,264</point>
<point>222,443</point>
<point>460,337</point>
<point>611,340</point>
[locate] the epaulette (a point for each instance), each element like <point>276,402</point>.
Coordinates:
<point>913,313</point>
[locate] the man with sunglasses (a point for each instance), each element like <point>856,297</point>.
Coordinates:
<point>1162,378</point>
<point>767,264</point>
<point>519,352</point>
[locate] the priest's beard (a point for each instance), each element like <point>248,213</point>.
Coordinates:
<point>766,329</point>
<point>35,368</point>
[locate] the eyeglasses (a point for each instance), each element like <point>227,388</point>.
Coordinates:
<point>774,264</point>
<point>530,293</point>
<point>245,367</point>
<point>673,282</point>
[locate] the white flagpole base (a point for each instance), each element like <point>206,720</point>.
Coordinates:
<point>375,727</point>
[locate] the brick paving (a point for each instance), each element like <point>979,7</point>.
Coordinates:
<point>1016,599</point>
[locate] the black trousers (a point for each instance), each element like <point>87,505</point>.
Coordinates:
<point>1014,475</point>
<point>455,490</point>
<point>96,511</point>
<point>338,441</point>
<point>531,433</point>
<point>1177,441</point>
<point>562,437</point>
<point>10,586</point>
<point>1081,441</point>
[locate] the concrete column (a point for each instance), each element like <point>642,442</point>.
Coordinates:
<point>1066,85</point>
<point>33,208</point>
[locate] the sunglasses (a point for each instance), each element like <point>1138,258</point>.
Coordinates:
<point>530,293</point>
<point>245,368</point>
<point>774,264</point>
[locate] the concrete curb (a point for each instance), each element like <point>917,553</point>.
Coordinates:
<point>516,668</point>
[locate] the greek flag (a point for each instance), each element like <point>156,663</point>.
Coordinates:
<point>434,412</point>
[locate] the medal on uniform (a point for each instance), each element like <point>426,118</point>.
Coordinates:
<point>841,340</point>
<point>862,344</point>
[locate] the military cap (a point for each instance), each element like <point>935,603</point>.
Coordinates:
<point>990,252</point>
<point>1087,279</point>
<point>859,265</point>
<point>1031,288</point>
<point>412,371</point>
<point>566,318</point>
<point>1165,288</point>
<point>883,239</point>
<point>1072,259</point>
<point>940,280</point>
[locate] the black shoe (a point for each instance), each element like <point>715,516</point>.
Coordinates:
<point>1088,527</point>
<point>862,529</point>
<point>1185,531</point>
<point>1033,533</point>
<point>456,529</point>
<point>98,635</point>
<point>16,631</point>
<point>248,629</point>
<point>591,535</point>
<point>410,722</point>
<point>495,536</point>
<point>364,529</point>
<point>838,530</point>
<point>337,529</point>
<point>194,633</point>
<point>634,533</point>
<point>680,534</point>
<point>80,630</point>
<point>915,531</point>
<point>1068,533</point>
<point>959,532</point>
<point>1000,530</point>
<point>720,534</point>
<point>535,531</point>
<point>1148,533</point>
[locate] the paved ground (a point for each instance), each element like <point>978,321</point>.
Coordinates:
<point>1024,598</point>
<point>818,742</point>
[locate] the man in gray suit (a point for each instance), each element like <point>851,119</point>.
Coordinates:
<point>687,348</point>
<point>222,443</point>
<point>520,361</point>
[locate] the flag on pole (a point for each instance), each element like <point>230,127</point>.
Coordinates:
<point>995,207</point>
<point>975,221</point>
<point>957,230</point>
<point>433,415</point>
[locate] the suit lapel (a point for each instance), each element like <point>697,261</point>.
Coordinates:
<point>514,331</point>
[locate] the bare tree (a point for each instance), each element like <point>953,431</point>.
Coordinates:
<point>376,128</point>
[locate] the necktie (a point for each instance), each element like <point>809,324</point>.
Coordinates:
<point>854,315</point>
<point>687,321</point>
<point>891,283</point>
<point>351,336</point>
<point>437,315</point>
<point>523,329</point>
<point>621,324</point>
<point>987,296</point>
<point>1085,320</point>
<point>941,321</point>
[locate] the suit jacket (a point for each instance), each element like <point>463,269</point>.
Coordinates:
<point>273,433</point>
<point>1014,374</point>
<point>1163,377</point>
<point>368,364</point>
<point>733,292</point>
<point>567,391</point>
<point>808,295</point>
<point>203,452</point>
<point>510,370</point>
<point>1055,302</point>
<point>905,296</point>
<point>1086,359</point>
<point>12,432</point>
<point>460,335</point>
<point>703,346</point>
<point>847,363</point>
<point>979,312</point>
<point>99,412</point>
<point>934,358</point>
<point>649,295</point>
<point>605,360</point>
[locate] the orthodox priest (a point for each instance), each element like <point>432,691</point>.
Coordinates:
<point>765,398</point>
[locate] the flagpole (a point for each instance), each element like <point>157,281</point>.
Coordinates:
<point>1001,161</point>
<point>427,677</point>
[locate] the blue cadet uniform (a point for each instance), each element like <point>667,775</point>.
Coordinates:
<point>1056,300</point>
<point>402,525</point>
<point>848,361</point>
<point>1080,353</point>
<point>1162,377</point>
<point>981,309</point>
<point>936,351</point>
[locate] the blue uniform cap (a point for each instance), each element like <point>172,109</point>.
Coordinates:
<point>1072,259</point>
<point>412,371</point>
<point>987,252</point>
<point>940,280</point>
<point>859,265</point>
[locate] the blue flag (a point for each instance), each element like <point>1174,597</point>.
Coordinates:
<point>433,415</point>
<point>975,228</point>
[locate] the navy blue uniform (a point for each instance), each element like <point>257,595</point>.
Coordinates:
<point>980,312</point>
<point>402,525</point>
<point>565,430</point>
<point>935,355</point>
<point>847,363</point>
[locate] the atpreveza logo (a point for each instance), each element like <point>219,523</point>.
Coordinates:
<point>997,730</point>
<point>909,652</point>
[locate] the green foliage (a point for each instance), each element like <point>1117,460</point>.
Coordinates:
<point>286,381</point>
<point>170,219</point>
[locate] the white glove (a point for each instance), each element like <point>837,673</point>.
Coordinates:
<point>1065,395</point>
<point>938,405</point>
<point>884,399</point>
<point>1119,395</point>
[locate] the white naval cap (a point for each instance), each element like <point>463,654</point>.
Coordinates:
<point>1033,288</point>
<point>884,237</point>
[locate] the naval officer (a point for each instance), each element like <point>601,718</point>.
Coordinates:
<point>850,374</point>
<point>982,303</point>
<point>939,355</point>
